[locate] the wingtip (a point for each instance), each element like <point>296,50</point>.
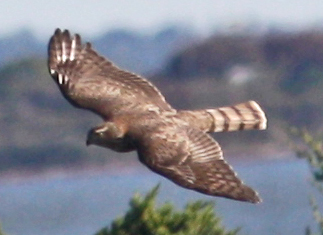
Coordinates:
<point>66,33</point>
<point>57,31</point>
<point>60,32</point>
<point>251,195</point>
<point>77,37</point>
<point>62,48</point>
<point>256,199</point>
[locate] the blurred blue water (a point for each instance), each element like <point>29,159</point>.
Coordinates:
<point>83,204</point>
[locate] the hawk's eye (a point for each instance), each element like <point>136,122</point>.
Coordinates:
<point>100,133</point>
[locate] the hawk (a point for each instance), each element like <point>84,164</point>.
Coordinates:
<point>173,143</point>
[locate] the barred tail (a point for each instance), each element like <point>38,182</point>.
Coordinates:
<point>245,116</point>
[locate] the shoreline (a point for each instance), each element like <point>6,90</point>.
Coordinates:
<point>243,155</point>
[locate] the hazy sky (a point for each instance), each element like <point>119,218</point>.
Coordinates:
<point>93,16</point>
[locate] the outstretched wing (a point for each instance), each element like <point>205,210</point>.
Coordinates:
<point>192,159</point>
<point>90,81</point>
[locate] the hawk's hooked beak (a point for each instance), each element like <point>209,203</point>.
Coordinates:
<point>88,142</point>
<point>90,138</point>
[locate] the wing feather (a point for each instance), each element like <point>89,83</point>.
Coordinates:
<point>90,81</point>
<point>195,162</point>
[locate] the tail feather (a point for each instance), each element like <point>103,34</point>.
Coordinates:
<point>244,116</point>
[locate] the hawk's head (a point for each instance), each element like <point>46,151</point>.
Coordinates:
<point>104,134</point>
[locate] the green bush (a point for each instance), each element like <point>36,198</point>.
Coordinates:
<point>310,148</point>
<point>143,218</point>
<point>1,232</point>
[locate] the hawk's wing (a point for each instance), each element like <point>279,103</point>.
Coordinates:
<point>192,159</point>
<point>90,81</point>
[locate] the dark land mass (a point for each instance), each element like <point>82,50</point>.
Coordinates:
<point>281,71</point>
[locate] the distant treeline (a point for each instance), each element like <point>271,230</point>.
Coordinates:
<point>298,55</point>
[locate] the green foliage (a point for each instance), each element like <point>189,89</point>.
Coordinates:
<point>311,149</point>
<point>1,232</point>
<point>143,218</point>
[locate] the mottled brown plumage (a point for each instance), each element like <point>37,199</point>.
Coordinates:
<point>173,143</point>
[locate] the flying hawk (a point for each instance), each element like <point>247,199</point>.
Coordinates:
<point>173,143</point>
